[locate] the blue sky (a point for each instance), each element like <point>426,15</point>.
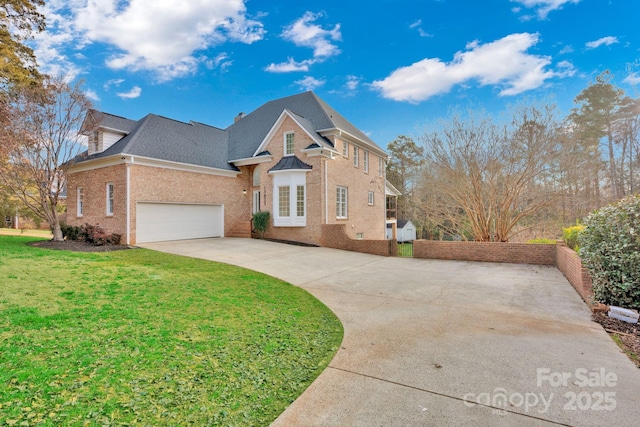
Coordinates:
<point>391,67</point>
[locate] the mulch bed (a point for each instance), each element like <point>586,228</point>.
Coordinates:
<point>75,246</point>
<point>629,333</point>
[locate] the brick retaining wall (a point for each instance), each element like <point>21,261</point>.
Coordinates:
<point>514,253</point>
<point>570,264</point>
<point>334,236</point>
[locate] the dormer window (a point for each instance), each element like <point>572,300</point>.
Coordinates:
<point>96,140</point>
<point>288,143</point>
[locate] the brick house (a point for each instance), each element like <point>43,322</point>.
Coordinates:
<point>159,179</point>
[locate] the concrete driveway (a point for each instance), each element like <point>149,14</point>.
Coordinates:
<point>445,343</point>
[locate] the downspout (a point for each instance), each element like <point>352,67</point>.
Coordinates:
<point>326,192</point>
<point>128,202</point>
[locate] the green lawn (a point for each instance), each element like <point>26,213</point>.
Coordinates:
<point>139,337</point>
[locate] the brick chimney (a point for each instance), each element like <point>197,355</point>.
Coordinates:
<point>238,117</point>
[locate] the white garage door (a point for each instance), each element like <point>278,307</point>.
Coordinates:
<point>157,222</point>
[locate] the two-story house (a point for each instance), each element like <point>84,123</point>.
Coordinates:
<point>158,179</point>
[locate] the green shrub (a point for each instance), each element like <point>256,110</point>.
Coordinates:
<point>542,241</point>
<point>610,249</point>
<point>70,232</point>
<point>571,235</point>
<point>260,222</point>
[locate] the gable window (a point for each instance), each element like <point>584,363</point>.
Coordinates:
<point>288,143</point>
<point>345,149</point>
<point>355,156</point>
<point>370,198</point>
<point>380,167</point>
<point>341,202</point>
<point>289,199</point>
<point>366,161</point>
<point>110,198</point>
<point>80,202</point>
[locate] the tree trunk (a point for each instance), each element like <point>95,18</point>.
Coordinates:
<point>57,231</point>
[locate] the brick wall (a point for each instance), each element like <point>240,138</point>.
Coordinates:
<point>570,265</point>
<point>151,184</point>
<point>334,236</point>
<point>94,184</point>
<point>362,217</point>
<point>515,253</point>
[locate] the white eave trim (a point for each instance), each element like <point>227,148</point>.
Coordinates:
<point>117,159</point>
<point>321,151</point>
<point>289,170</point>
<point>252,160</point>
<point>390,190</point>
<point>353,139</point>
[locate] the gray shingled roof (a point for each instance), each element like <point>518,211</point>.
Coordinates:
<point>290,163</point>
<point>108,121</point>
<point>247,133</point>
<point>161,138</point>
<point>198,144</point>
<point>116,122</point>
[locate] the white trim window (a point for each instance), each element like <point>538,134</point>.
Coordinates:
<point>366,161</point>
<point>284,201</point>
<point>289,143</point>
<point>355,156</point>
<point>80,202</point>
<point>345,149</point>
<point>380,167</point>
<point>370,198</point>
<point>110,201</point>
<point>342,201</point>
<point>289,199</point>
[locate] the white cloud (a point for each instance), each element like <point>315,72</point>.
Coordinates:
<point>113,82</point>
<point>310,83</point>
<point>417,25</point>
<point>92,95</point>
<point>502,63</point>
<point>221,61</point>
<point>135,92</point>
<point>632,79</point>
<point>157,35</point>
<point>566,49</point>
<point>290,65</point>
<point>304,33</point>
<point>565,69</point>
<point>543,7</point>
<point>606,41</point>
<point>352,83</point>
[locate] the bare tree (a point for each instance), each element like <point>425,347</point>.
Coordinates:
<point>481,179</point>
<point>40,142</point>
<point>406,159</point>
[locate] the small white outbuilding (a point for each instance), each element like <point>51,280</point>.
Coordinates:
<point>406,231</point>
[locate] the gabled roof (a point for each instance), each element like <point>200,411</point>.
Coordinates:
<point>106,121</point>
<point>402,222</point>
<point>198,144</point>
<point>311,112</point>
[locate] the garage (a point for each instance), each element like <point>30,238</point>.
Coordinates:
<point>157,222</point>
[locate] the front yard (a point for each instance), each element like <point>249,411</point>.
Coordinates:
<point>138,337</point>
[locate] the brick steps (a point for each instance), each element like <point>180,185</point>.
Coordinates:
<point>241,229</point>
